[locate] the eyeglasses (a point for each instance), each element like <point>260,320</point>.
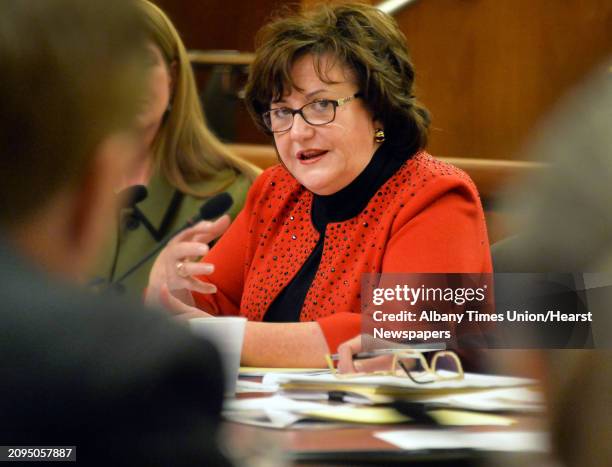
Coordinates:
<point>445,365</point>
<point>319,112</point>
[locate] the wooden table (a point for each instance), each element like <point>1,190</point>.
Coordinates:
<point>356,444</point>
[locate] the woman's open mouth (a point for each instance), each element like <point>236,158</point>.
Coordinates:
<point>310,156</point>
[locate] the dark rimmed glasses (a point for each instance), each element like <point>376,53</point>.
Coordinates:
<point>318,112</point>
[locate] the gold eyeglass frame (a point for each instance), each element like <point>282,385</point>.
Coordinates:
<point>397,364</point>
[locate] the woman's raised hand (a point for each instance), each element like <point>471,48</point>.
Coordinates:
<point>179,261</point>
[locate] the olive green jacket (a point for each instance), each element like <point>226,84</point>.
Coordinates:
<point>167,210</point>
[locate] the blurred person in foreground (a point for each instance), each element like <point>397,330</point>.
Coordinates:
<point>122,384</point>
<point>355,192</point>
<point>182,163</point>
<point>565,226</point>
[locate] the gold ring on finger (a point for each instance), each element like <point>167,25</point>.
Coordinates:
<point>181,270</point>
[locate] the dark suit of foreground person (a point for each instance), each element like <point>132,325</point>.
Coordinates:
<point>123,385</point>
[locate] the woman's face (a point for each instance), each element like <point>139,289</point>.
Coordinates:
<point>158,96</point>
<point>325,158</point>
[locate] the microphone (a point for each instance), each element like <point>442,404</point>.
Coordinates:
<point>126,198</point>
<point>211,209</point>
<point>132,195</point>
<point>129,198</point>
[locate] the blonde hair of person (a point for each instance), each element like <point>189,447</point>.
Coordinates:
<point>185,150</point>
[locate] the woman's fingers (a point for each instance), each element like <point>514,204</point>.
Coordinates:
<point>176,306</point>
<point>207,231</point>
<point>173,304</point>
<point>201,238</point>
<point>347,364</point>
<point>182,250</point>
<point>370,365</point>
<point>199,286</point>
<point>189,269</point>
<point>346,350</point>
<point>175,267</point>
<point>178,282</point>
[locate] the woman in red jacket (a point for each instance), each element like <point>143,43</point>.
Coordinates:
<point>354,192</point>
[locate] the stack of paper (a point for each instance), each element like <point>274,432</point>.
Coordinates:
<point>394,385</point>
<point>283,412</point>
<point>513,399</point>
<point>476,392</point>
<point>261,371</point>
<point>371,399</point>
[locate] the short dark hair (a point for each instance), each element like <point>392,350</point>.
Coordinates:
<point>361,37</point>
<point>71,74</point>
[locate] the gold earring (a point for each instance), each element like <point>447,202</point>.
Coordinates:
<point>379,135</point>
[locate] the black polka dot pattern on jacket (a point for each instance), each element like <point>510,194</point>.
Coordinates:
<point>280,222</point>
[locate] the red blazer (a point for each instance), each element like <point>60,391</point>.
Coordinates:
<point>426,218</point>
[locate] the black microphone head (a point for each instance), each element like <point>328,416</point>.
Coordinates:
<point>138,193</point>
<point>216,206</point>
<point>132,195</point>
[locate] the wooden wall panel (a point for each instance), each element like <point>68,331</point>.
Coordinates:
<point>490,69</point>
<point>487,69</point>
<point>219,24</point>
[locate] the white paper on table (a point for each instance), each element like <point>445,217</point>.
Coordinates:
<point>280,412</point>
<point>356,399</point>
<point>514,399</point>
<point>243,386</point>
<point>268,419</point>
<point>261,371</point>
<point>515,441</point>
<point>272,412</point>
<point>470,380</point>
<point>275,402</point>
<point>517,399</point>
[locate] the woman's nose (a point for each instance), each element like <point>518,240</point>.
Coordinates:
<point>301,128</point>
